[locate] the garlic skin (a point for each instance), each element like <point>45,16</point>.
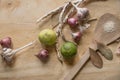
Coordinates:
<point>77,36</point>
<point>7,55</point>
<point>85,11</point>
<point>84,27</point>
<point>82,13</point>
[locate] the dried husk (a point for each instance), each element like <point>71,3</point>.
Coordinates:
<point>95,58</point>
<point>105,51</point>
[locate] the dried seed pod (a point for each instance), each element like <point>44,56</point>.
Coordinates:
<point>105,51</point>
<point>95,58</point>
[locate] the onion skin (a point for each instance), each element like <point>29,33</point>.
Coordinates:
<point>73,22</point>
<point>6,42</point>
<point>43,55</point>
<point>77,36</point>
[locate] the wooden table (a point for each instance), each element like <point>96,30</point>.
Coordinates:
<point>18,20</point>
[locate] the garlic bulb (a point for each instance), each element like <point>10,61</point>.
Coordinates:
<point>82,13</point>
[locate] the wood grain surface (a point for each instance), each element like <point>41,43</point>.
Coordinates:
<point>18,20</point>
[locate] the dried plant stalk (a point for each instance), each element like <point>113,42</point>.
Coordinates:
<point>57,10</point>
<point>59,27</point>
<point>61,23</point>
<point>78,2</point>
<point>59,31</point>
<point>52,12</point>
<point>59,56</point>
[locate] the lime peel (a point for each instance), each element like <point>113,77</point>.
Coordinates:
<point>68,50</point>
<point>47,37</point>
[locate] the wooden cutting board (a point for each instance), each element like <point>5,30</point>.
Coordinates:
<point>18,20</point>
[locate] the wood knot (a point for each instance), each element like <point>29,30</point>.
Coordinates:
<point>10,4</point>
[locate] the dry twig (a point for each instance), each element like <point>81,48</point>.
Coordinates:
<point>61,23</point>
<point>54,11</point>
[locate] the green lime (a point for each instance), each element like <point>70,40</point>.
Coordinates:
<point>68,50</point>
<point>47,37</point>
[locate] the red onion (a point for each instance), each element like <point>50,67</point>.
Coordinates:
<point>73,22</point>
<point>77,36</point>
<point>43,54</point>
<point>6,42</point>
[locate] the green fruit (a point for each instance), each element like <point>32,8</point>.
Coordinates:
<point>68,50</point>
<point>47,37</point>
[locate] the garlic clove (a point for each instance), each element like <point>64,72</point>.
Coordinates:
<point>8,50</point>
<point>4,49</point>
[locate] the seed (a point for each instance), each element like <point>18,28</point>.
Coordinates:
<point>95,58</point>
<point>105,51</point>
